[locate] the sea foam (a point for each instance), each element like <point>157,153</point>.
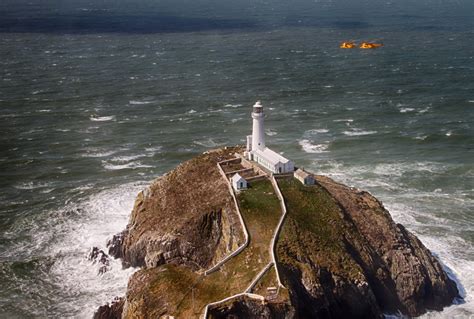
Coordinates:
<point>308,147</point>
<point>102,118</point>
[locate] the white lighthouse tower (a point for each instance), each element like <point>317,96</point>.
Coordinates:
<point>258,130</point>
<point>257,151</point>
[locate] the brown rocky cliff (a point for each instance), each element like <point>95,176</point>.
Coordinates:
<point>186,217</point>
<point>352,259</point>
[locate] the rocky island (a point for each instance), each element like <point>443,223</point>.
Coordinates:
<point>324,250</point>
<point>242,233</point>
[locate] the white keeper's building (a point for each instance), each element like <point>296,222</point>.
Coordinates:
<point>258,152</point>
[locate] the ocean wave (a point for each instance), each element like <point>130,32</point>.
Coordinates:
<point>358,132</point>
<point>208,143</point>
<point>102,118</point>
<point>317,131</point>
<point>136,102</point>
<point>344,120</point>
<point>100,216</point>
<point>130,165</point>
<point>308,147</point>
<point>406,109</point>
<point>95,154</point>
<point>270,132</point>
<point>31,185</point>
<point>233,105</point>
<point>153,150</point>
<point>426,109</point>
<point>126,158</point>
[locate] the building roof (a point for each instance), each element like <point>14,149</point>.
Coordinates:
<point>301,173</point>
<point>237,177</point>
<point>271,156</point>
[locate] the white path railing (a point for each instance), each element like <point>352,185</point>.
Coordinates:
<point>242,294</point>
<point>242,247</point>
<point>278,228</point>
<point>259,276</point>
<point>242,222</point>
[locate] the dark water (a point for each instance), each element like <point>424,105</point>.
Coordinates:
<point>97,99</point>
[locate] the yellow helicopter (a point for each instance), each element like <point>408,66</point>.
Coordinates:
<point>363,45</point>
<point>370,45</point>
<point>347,45</point>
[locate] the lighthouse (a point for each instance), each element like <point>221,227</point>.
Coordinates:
<point>257,151</point>
<point>258,130</point>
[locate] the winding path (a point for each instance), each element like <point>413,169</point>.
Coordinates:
<point>272,247</point>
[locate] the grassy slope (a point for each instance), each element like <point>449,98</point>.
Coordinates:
<point>313,230</point>
<point>172,285</point>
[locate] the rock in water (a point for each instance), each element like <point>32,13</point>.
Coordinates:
<point>98,256</point>
<point>112,311</point>
<point>339,252</point>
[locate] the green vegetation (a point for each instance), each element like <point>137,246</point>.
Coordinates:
<point>314,229</point>
<point>268,280</point>
<point>187,293</point>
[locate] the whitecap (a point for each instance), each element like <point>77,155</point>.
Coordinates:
<point>308,147</point>
<point>102,118</point>
<point>135,102</point>
<point>191,111</point>
<point>317,131</point>
<point>130,165</point>
<point>154,149</point>
<point>208,143</point>
<point>426,109</point>
<point>123,159</point>
<point>421,137</point>
<point>344,120</point>
<point>98,153</point>
<point>233,105</point>
<point>31,185</point>
<point>358,132</point>
<point>99,216</point>
<point>406,109</point>
<point>270,132</point>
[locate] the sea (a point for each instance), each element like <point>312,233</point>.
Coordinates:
<point>98,98</point>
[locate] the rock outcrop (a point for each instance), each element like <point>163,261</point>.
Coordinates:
<point>357,261</point>
<point>99,257</point>
<point>340,254</point>
<point>185,217</point>
<point>110,311</point>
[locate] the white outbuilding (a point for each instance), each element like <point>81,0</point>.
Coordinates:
<point>238,182</point>
<point>304,177</point>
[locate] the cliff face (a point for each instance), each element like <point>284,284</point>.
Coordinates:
<point>347,256</point>
<point>339,252</point>
<point>184,217</point>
